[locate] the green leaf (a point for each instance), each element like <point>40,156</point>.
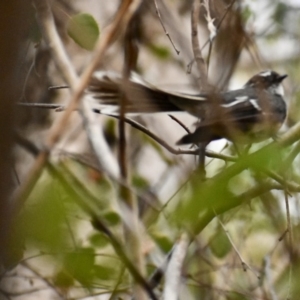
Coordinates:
<point>63,280</point>
<point>99,240</point>
<point>220,245</point>
<point>160,51</point>
<point>163,241</point>
<point>43,222</point>
<point>111,217</point>
<point>104,272</point>
<point>84,30</point>
<point>80,265</point>
<point>236,296</point>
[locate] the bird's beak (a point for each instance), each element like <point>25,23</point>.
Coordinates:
<point>281,77</point>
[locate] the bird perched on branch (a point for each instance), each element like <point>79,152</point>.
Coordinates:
<point>253,113</point>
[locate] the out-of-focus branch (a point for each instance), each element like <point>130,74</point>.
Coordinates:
<point>211,28</point>
<point>100,225</point>
<point>245,265</point>
<point>173,273</point>
<point>121,20</point>
<point>202,70</point>
<point>90,205</point>
<point>133,233</point>
<point>202,79</point>
<point>164,28</point>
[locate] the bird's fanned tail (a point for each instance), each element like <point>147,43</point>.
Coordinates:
<point>141,97</point>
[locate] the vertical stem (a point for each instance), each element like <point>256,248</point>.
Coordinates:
<point>202,70</point>
<point>132,235</point>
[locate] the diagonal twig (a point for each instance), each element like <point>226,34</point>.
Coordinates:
<point>164,28</point>
<point>47,25</point>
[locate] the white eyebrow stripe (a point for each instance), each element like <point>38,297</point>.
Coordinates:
<point>255,104</point>
<point>265,73</point>
<point>238,100</point>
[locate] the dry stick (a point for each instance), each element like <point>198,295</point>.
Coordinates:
<point>180,123</point>
<point>202,70</point>
<point>173,272</point>
<point>267,272</point>
<point>168,147</point>
<point>202,80</point>
<point>133,233</point>
<point>163,26</point>
<point>120,21</point>
<point>58,87</point>
<point>42,105</point>
<point>190,64</point>
<point>245,266</point>
<point>211,27</point>
<point>159,272</point>
<point>290,236</point>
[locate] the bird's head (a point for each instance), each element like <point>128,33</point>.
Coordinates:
<point>269,80</point>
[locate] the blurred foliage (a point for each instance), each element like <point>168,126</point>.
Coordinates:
<point>84,30</point>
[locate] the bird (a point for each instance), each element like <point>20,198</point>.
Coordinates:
<point>253,113</point>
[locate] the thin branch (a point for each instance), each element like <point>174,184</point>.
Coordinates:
<point>210,21</point>
<point>58,87</point>
<point>132,228</point>
<point>48,27</point>
<point>290,243</point>
<point>267,272</point>
<point>190,64</point>
<point>202,80</point>
<point>159,272</point>
<point>180,123</point>
<point>173,272</point>
<point>42,105</point>
<point>168,147</point>
<point>245,266</point>
<point>163,26</point>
